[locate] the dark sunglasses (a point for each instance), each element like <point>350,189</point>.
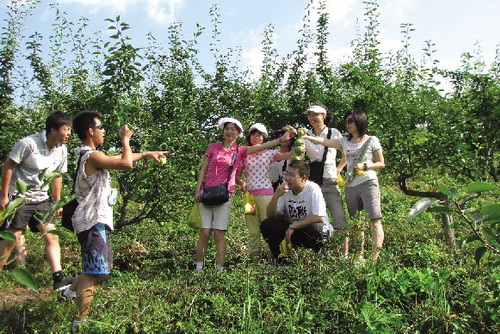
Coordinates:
<point>349,121</point>
<point>99,127</point>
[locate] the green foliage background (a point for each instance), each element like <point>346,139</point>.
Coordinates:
<point>172,102</point>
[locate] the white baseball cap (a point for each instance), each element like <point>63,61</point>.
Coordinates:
<point>259,127</point>
<point>224,120</point>
<point>315,109</point>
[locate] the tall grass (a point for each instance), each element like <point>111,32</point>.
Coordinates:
<point>418,286</point>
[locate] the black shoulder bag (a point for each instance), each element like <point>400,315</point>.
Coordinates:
<point>280,178</point>
<point>318,167</point>
<point>218,194</point>
<point>70,207</point>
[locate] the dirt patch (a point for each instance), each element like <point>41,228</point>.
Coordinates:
<point>18,296</point>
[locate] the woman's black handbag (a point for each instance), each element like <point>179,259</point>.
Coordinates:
<point>317,168</point>
<point>215,195</point>
<point>69,208</point>
<point>218,194</point>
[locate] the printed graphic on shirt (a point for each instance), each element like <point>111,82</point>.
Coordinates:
<point>297,210</point>
<point>350,155</point>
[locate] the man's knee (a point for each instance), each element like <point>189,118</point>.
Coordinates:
<point>51,239</point>
<point>264,226</point>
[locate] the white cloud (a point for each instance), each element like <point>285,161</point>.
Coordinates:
<point>252,59</point>
<point>340,10</point>
<point>160,11</point>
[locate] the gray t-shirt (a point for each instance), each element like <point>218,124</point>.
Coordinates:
<point>32,156</point>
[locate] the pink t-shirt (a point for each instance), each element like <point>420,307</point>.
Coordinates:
<point>219,162</point>
<point>257,168</point>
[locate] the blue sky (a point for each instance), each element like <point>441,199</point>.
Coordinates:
<point>453,25</point>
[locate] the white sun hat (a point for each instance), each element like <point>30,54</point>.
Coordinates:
<point>316,109</point>
<point>259,127</point>
<point>224,120</point>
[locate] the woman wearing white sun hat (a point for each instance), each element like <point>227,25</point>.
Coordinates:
<point>258,184</point>
<point>214,171</point>
<point>364,157</point>
<point>324,169</point>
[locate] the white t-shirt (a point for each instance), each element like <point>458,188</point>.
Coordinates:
<point>351,151</point>
<point>32,156</point>
<point>315,152</point>
<point>308,202</point>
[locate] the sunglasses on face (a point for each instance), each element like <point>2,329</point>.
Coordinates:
<point>99,127</point>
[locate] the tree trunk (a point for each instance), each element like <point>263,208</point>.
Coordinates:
<point>449,232</point>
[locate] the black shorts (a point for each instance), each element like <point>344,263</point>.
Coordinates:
<point>30,214</point>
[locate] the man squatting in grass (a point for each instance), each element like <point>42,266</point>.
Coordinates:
<point>29,157</point>
<point>93,218</point>
<point>297,212</point>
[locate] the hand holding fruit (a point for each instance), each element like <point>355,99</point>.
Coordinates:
<point>358,169</point>
<point>286,136</point>
<point>125,132</point>
<point>158,156</point>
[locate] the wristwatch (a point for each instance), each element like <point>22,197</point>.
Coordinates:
<point>365,166</point>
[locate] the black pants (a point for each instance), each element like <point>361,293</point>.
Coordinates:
<point>273,230</point>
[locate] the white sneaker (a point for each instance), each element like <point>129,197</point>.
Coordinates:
<point>75,328</point>
<point>68,294</point>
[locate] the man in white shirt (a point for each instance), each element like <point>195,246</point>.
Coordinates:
<point>30,156</point>
<point>297,212</point>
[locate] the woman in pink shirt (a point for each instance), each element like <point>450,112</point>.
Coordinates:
<point>214,171</point>
<point>258,184</point>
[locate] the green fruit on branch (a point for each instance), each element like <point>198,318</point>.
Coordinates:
<point>300,132</point>
<point>299,142</point>
<point>296,157</point>
<point>299,149</point>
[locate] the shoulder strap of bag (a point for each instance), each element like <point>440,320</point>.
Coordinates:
<point>232,163</point>
<point>363,150</point>
<point>325,152</point>
<point>77,169</point>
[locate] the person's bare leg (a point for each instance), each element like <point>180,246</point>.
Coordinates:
<point>6,247</point>
<point>377,237</point>
<point>220,247</point>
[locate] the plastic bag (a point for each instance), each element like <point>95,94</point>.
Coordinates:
<point>285,249</point>
<point>340,180</point>
<point>248,203</point>
<point>194,219</point>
